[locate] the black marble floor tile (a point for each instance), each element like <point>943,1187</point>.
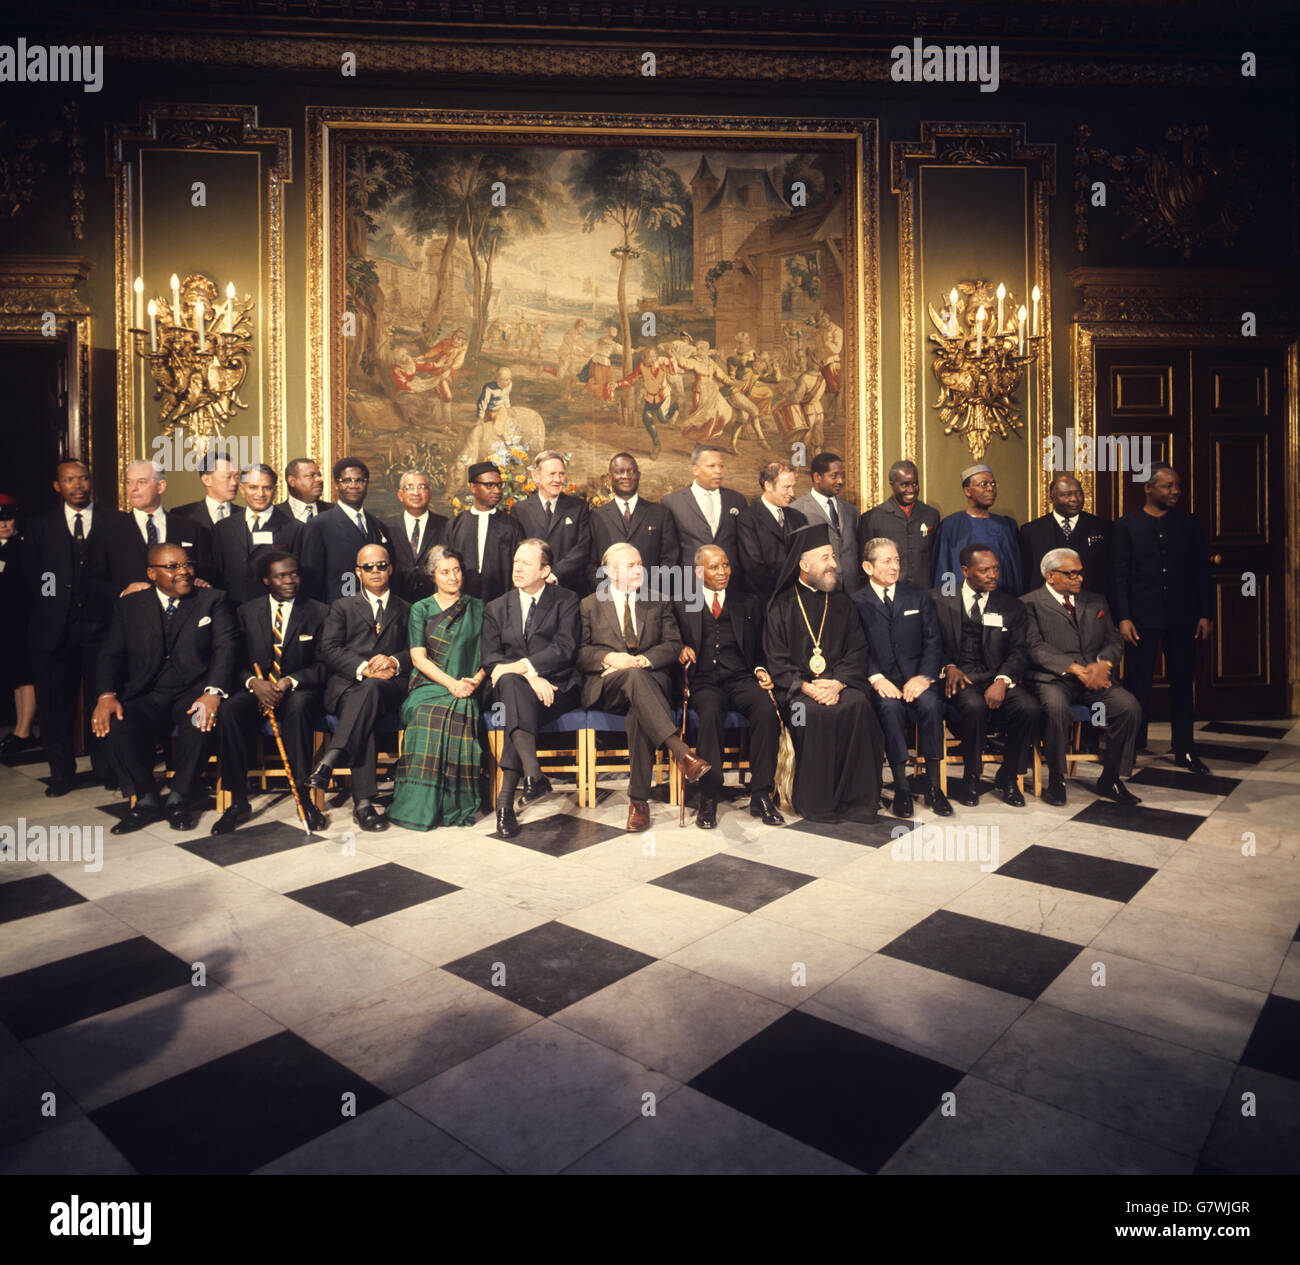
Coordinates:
<point>1177,780</point>
<point>1018,962</point>
<point>383,889</point>
<point>561,833</point>
<point>872,834</point>
<point>236,1113</point>
<point>1274,1046</point>
<point>250,842</point>
<point>735,882</point>
<point>1244,730</point>
<point>549,967</point>
<point>1140,820</point>
<point>59,993</point>
<point>849,1095</point>
<point>35,895</point>
<point>1076,872</point>
<point>1230,753</point>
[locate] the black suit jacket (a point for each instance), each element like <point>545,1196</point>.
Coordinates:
<point>1090,540</point>
<point>910,638</point>
<point>658,638</point>
<point>348,640</point>
<point>1004,648</point>
<point>653,534</point>
<point>198,511</point>
<point>494,576</point>
<point>300,657</point>
<point>181,530</point>
<point>235,556</point>
<point>744,610</point>
<point>330,543</point>
<point>1161,569</point>
<point>552,644</point>
<point>569,535</point>
<point>693,529</point>
<point>913,535</point>
<point>761,545</point>
<point>409,578</point>
<point>1051,639</point>
<point>203,637</point>
<point>321,506</point>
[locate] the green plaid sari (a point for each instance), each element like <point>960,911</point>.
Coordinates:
<point>438,775</point>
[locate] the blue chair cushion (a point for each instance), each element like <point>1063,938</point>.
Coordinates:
<point>569,722</point>
<point>732,720</point>
<point>606,722</point>
<point>1081,712</point>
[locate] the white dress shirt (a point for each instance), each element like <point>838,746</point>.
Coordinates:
<point>825,503</point>
<point>70,514</point>
<point>1066,524</point>
<point>159,522</point>
<point>301,510</point>
<point>628,506</point>
<point>710,502</point>
<point>776,511</point>
<point>215,508</point>
<point>483,517</point>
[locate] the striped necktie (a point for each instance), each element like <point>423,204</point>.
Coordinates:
<point>277,641</point>
<point>171,607</point>
<point>150,530</point>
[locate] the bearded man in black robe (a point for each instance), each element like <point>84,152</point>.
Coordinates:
<point>817,656</point>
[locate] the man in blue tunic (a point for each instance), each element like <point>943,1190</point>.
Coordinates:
<point>976,525</point>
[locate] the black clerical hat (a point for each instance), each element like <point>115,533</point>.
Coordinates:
<point>480,468</point>
<point>802,539</point>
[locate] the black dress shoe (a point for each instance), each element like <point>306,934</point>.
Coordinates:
<point>1113,788</point>
<point>136,819</point>
<point>535,788</point>
<point>707,817</point>
<point>762,806</point>
<point>1055,793</point>
<point>937,802</point>
<point>1190,761</point>
<point>319,778</point>
<point>368,818</point>
<point>231,819</point>
<point>14,745</point>
<point>1010,788</point>
<point>507,823</point>
<point>316,820</point>
<point>182,817</point>
<point>969,793</point>
<point>59,786</point>
<point>902,806</point>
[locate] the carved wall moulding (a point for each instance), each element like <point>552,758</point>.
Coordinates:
<point>1199,296</point>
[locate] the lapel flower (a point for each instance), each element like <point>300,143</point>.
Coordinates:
<point>734,510</point>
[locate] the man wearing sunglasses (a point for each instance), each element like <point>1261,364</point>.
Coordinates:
<point>330,540</point>
<point>485,536</point>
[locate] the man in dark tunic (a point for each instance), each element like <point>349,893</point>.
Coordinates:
<point>817,657</point>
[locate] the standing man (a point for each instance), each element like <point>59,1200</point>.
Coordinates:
<point>985,665</point>
<point>485,535</point>
<point>826,504</point>
<point>1162,598</point>
<point>977,525</point>
<point>722,656</point>
<point>411,534</point>
<point>1067,526</point>
<point>365,647</point>
<point>530,646</point>
<point>220,479</point>
<point>149,524</point>
<point>71,588</point>
<point>281,635</point>
<point>238,543</point>
<point>563,521</point>
<point>167,662</point>
<point>706,512</point>
<point>627,649</point>
<point>330,540</point>
<point>906,520</point>
<point>306,485</point>
<point>763,529</point>
<point>903,653</point>
<point>629,519</point>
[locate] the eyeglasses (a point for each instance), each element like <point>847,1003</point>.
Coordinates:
<point>988,483</point>
<point>1069,575</point>
<point>373,566</point>
<point>173,566</point>
<point>346,482</point>
<point>487,483</point>
<point>415,487</point>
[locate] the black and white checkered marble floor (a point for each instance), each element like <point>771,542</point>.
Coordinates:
<point>1118,992</point>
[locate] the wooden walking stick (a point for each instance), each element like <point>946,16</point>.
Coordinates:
<point>686,702</point>
<point>284,755</point>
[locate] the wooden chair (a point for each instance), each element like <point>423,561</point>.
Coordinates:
<point>734,755</point>
<point>952,755</point>
<point>566,756</point>
<point>389,727</point>
<point>1082,715</point>
<point>613,759</point>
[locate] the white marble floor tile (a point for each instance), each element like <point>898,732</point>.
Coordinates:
<point>653,920</point>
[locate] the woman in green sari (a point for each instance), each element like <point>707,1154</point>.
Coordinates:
<point>438,775</point>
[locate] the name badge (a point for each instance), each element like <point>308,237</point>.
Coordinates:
<point>992,620</point>
<point>263,538</point>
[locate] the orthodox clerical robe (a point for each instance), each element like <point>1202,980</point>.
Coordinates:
<point>998,532</point>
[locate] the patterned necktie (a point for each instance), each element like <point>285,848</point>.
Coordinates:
<point>277,641</point>
<point>627,513</point>
<point>308,513</point>
<point>79,539</point>
<point>150,530</point>
<point>1069,604</point>
<point>171,607</point>
<point>224,511</point>
<point>255,524</point>
<point>780,518</point>
<point>834,513</point>
<point>415,537</point>
<point>379,617</point>
<point>717,607</point>
<point>629,631</point>
<point>977,615</point>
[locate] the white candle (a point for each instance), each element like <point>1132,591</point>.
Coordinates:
<point>1036,295</point>
<point>952,311</point>
<point>139,303</point>
<point>1002,294</point>
<point>230,307</point>
<point>1020,326</point>
<point>176,300</point>
<point>153,327</point>
<point>980,317</point>
<point>198,316</point>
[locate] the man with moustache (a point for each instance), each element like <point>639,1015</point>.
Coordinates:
<point>485,535</point>
<point>826,504</point>
<point>149,524</point>
<point>706,513</point>
<point>977,525</point>
<point>238,543</point>
<point>220,478</point>
<point>817,658</point>
<point>763,529</point>
<point>305,486</point>
<point>563,521</point>
<point>281,635</point>
<point>365,647</point>
<point>167,662</point>
<point>906,520</point>
<point>411,534</point>
<point>629,519</point>
<point>722,651</point>
<point>330,540</point>
<point>1067,526</point>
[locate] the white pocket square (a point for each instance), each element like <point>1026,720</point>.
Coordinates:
<point>568,522</point>
<point>915,612</point>
<point>207,619</point>
<point>304,636</point>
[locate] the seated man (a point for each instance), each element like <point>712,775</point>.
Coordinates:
<point>626,650</point>
<point>281,636</point>
<point>1073,647</point>
<point>530,646</point>
<point>820,680</point>
<point>722,654</point>
<point>985,661</point>
<point>366,648</point>
<point>168,661</point>
<point>903,647</point>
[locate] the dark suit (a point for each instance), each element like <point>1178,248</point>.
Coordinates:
<point>198,511</point>
<point>727,651</point>
<point>844,542</point>
<point>1162,583</point>
<point>639,693</point>
<point>239,717</point>
<point>330,543</point>
<point>693,528</point>
<point>901,646</point>
<point>409,579</point>
<point>1090,539</point>
<point>235,555</point>
<point>179,529</point>
<point>551,646</point>
<point>1054,641</point>
<point>568,533</point>
<point>653,533</point>
<point>157,667</point>
<point>490,576</point>
<point>349,640</point>
<point>761,543</point>
<point>914,535</point>
<point>994,647</point>
<point>70,606</point>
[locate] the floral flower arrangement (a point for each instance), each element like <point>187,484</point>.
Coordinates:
<point>512,457</point>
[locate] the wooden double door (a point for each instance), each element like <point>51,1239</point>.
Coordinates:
<point>1216,414</point>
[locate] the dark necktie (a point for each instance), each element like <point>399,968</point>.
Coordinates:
<point>379,617</point>
<point>889,605</point>
<point>415,537</point>
<point>1069,604</point>
<point>717,607</point>
<point>171,607</point>
<point>361,522</point>
<point>150,531</point>
<point>976,614</point>
<point>627,513</point>
<point>550,514</point>
<point>277,641</point>
<point>834,513</point>
<point>79,538</point>
<point>629,633</point>
<point>1067,530</point>
<point>310,512</point>
<point>528,619</point>
<point>255,524</point>
<point>780,518</point>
